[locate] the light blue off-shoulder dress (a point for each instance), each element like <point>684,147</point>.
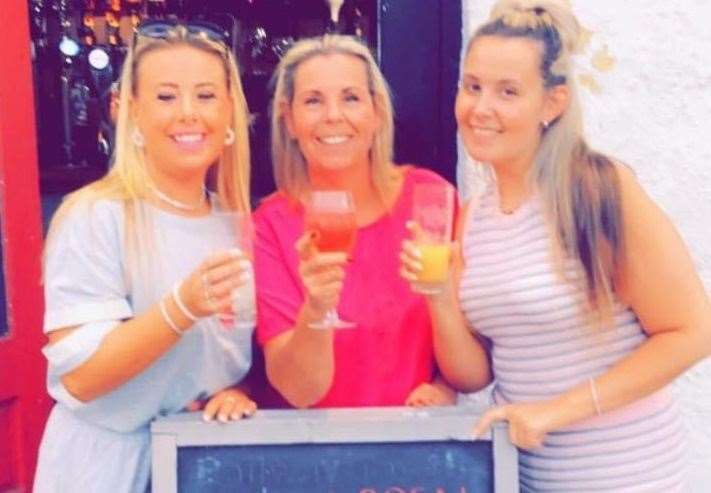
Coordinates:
<point>93,280</point>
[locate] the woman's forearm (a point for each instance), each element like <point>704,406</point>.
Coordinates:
<point>125,352</point>
<point>461,357</point>
<point>132,346</point>
<point>655,364</point>
<point>300,362</point>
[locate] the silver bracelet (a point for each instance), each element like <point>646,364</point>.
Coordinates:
<point>595,398</point>
<point>173,326</point>
<point>181,305</point>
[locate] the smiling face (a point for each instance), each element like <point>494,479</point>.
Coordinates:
<point>502,101</point>
<point>182,107</point>
<point>332,114</point>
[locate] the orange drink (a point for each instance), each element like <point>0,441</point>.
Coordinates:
<point>435,262</point>
<point>432,211</point>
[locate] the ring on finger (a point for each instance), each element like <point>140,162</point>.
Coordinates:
<point>206,290</point>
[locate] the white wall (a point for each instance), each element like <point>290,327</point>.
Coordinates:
<point>646,90</point>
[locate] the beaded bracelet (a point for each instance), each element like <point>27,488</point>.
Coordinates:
<point>181,305</point>
<point>173,326</point>
<point>595,398</point>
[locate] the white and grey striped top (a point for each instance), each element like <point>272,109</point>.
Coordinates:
<point>512,293</point>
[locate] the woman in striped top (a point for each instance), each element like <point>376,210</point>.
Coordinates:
<point>572,282</point>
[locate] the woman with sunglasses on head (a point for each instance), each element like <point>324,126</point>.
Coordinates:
<point>332,128</point>
<point>138,265</point>
<point>585,295</point>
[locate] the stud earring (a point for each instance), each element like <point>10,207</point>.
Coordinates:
<point>229,137</point>
<point>137,138</point>
<point>544,124</point>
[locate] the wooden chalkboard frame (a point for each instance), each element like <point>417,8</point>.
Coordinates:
<point>328,426</point>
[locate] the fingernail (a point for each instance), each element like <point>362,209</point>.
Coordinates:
<point>244,277</point>
<point>235,252</point>
<point>245,264</point>
<point>417,266</point>
<point>222,418</point>
<point>417,253</point>
<point>205,418</point>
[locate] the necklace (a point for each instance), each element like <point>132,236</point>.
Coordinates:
<point>176,203</point>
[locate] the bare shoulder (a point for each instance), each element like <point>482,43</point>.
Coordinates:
<point>644,222</point>
<point>630,188</point>
<point>641,215</point>
<point>658,278</point>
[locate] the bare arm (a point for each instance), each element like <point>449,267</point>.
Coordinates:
<point>133,345</point>
<point>300,361</point>
<point>660,283</point>
<point>461,357</point>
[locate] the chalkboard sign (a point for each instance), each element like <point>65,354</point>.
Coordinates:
<point>373,450</point>
<point>363,467</point>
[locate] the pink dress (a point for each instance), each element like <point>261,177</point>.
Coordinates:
<point>389,353</point>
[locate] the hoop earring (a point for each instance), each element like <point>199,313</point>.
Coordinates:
<point>137,138</point>
<point>229,137</point>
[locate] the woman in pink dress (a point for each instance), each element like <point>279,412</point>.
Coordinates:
<point>332,128</point>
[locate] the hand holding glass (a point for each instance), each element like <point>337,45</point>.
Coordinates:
<point>330,215</point>
<point>238,229</point>
<point>432,211</point>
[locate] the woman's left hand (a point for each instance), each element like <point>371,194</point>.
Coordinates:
<point>429,394</point>
<point>529,423</point>
<point>229,404</point>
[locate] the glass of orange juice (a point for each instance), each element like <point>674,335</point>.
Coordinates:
<point>330,214</point>
<point>433,211</point>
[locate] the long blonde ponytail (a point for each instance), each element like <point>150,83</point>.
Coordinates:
<point>579,186</point>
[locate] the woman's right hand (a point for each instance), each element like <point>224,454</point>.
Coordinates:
<point>411,265</point>
<point>322,274</point>
<point>208,289</point>
<point>410,261</point>
<point>232,403</point>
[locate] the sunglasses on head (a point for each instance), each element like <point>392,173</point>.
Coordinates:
<point>212,29</point>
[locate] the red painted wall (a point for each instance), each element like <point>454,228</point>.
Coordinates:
<point>23,402</point>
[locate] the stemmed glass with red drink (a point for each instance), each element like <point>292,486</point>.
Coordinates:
<point>330,214</point>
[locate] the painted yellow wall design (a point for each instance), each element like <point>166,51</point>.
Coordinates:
<point>600,61</point>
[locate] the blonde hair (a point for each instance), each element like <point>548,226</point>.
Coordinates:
<point>128,180</point>
<point>579,186</point>
<point>290,172</point>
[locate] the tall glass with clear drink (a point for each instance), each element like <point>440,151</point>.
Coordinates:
<point>239,228</point>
